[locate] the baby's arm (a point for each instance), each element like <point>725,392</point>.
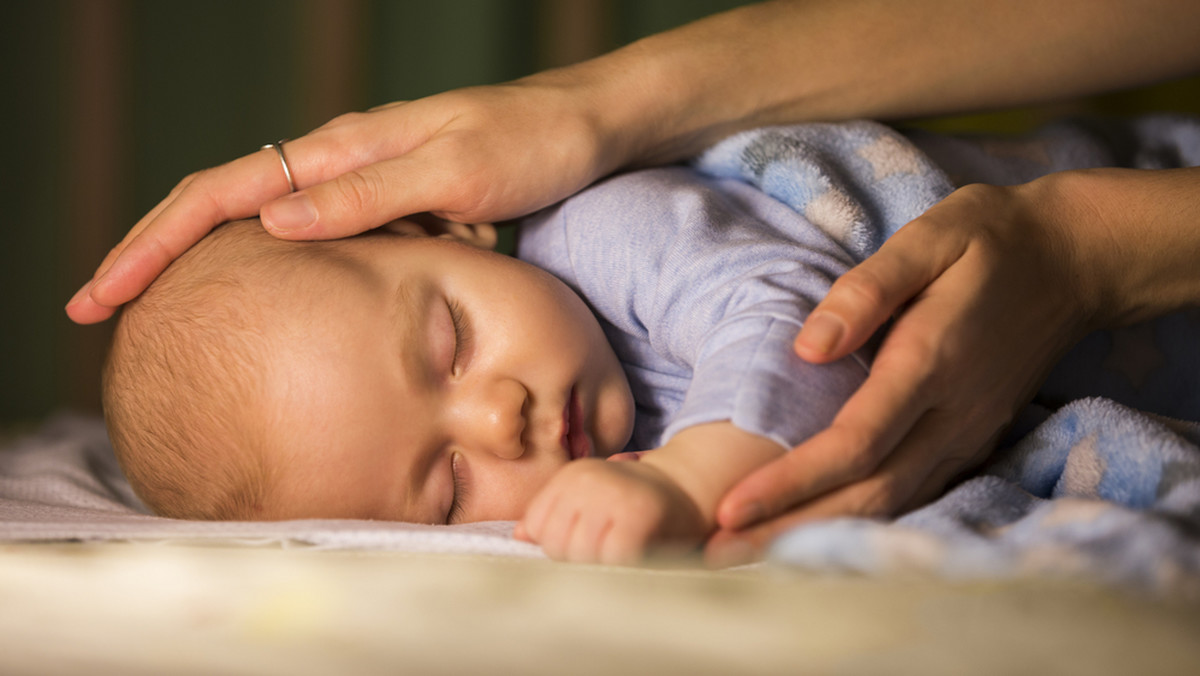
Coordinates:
<point>615,512</point>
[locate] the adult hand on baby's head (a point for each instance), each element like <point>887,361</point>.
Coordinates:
<point>471,155</point>
<point>987,292</point>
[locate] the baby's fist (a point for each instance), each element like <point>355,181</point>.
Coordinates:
<point>603,512</point>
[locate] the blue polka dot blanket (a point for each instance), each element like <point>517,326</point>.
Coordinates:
<point>1099,479</point>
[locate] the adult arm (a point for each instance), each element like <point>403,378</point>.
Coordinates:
<point>998,283</point>
<point>491,153</point>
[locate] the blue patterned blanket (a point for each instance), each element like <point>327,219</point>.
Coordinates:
<point>1101,478</point>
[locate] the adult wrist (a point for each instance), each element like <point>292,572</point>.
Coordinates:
<point>1133,239</point>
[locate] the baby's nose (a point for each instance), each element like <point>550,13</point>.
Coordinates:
<point>491,418</point>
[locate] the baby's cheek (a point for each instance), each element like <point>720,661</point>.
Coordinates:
<point>615,417</point>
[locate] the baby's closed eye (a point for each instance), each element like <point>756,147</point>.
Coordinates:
<point>463,339</point>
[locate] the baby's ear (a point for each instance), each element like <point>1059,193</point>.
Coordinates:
<point>482,235</point>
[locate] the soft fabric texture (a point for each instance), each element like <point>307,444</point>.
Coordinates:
<point>1097,492</point>
<point>1095,489</point>
<point>63,483</point>
<point>701,286</point>
<point>1085,488</point>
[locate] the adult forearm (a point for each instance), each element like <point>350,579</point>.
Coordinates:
<point>671,94</point>
<point>1135,237</point>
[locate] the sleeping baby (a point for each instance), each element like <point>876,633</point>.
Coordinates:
<point>411,374</point>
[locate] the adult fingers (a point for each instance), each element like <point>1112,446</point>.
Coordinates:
<point>141,225</point>
<point>82,308</point>
<point>232,191</point>
<point>951,468</point>
<point>867,428</point>
<point>862,299</point>
<point>429,178</point>
<point>920,462</point>
<point>906,380</point>
<point>729,547</point>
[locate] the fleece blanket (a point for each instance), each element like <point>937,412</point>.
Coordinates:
<point>1101,477</point>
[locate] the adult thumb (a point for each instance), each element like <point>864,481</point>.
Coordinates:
<point>355,201</point>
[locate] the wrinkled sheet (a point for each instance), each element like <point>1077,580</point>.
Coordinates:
<point>63,483</point>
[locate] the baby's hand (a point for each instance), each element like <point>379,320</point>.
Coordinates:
<point>610,512</point>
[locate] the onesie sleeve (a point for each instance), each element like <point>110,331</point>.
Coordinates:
<point>748,373</point>
<point>745,273</point>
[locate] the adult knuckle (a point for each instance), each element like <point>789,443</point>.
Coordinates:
<point>918,359</point>
<point>187,180</point>
<point>860,450</point>
<point>862,287</point>
<point>881,496</point>
<point>476,182</point>
<point>360,189</point>
<point>205,189</point>
<point>861,463</point>
<point>344,120</point>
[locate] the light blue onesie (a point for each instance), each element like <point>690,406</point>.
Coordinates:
<point>701,285</point>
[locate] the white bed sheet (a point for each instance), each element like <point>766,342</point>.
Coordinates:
<point>62,483</point>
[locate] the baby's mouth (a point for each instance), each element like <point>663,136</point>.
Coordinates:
<point>575,439</point>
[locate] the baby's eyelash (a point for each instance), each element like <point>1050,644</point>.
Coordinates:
<point>455,514</point>
<point>462,334</point>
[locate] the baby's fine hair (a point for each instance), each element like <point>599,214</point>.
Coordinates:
<point>182,385</point>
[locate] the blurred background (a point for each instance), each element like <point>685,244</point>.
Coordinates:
<point>108,103</point>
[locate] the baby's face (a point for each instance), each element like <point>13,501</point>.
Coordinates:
<point>433,382</point>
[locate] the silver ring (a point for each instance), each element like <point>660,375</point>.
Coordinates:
<point>287,171</point>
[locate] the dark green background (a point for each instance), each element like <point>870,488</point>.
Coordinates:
<point>204,82</point>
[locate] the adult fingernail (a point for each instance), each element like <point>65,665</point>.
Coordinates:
<point>291,212</point>
<point>821,333</point>
<point>81,293</point>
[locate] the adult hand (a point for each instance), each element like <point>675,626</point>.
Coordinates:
<point>987,289</point>
<point>492,153</point>
<point>474,155</point>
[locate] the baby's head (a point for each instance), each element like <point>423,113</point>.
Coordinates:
<point>395,375</point>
